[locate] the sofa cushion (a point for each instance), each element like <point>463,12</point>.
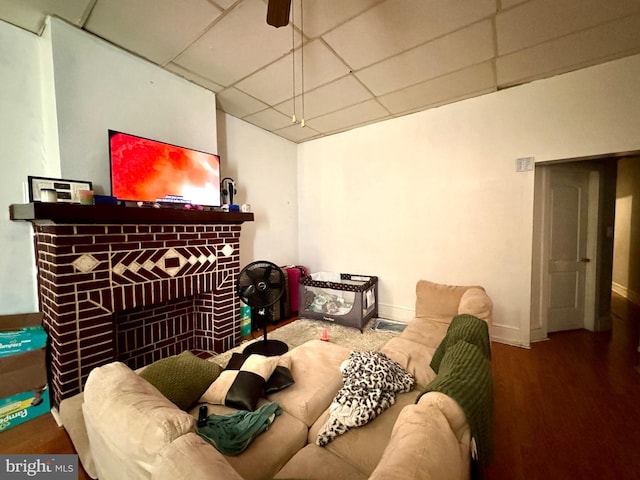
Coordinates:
<point>242,382</point>
<point>413,357</point>
<point>425,332</point>
<point>128,421</point>
<point>315,365</point>
<point>271,450</point>
<point>436,301</point>
<point>191,458</point>
<point>181,378</point>
<point>317,463</point>
<point>422,446</point>
<point>362,447</point>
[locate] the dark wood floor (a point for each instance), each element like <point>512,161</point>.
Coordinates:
<point>570,406</point>
<point>567,408</point>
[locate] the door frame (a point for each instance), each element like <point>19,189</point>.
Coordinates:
<point>541,247</point>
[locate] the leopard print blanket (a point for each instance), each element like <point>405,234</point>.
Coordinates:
<point>371,381</point>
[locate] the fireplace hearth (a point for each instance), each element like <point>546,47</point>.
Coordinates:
<point>118,289</point>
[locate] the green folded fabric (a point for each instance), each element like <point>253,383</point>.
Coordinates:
<point>465,376</point>
<point>463,327</point>
<point>232,434</point>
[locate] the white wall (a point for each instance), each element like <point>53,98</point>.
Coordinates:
<point>99,86</point>
<point>264,168</point>
<point>60,93</point>
<point>24,104</point>
<point>435,195</point>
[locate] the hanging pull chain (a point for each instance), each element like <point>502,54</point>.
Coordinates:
<point>293,62</point>
<point>302,60</point>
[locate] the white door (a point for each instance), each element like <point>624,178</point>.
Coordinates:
<point>567,261</point>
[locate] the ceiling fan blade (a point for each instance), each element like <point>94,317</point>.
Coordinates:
<point>278,12</point>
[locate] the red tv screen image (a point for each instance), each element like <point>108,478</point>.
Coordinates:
<point>152,171</point>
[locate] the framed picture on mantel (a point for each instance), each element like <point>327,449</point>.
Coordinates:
<point>67,190</point>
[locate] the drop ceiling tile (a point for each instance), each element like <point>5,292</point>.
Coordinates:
<point>539,21</point>
<point>505,4</point>
<point>142,26</point>
<point>397,25</point>
<point>273,84</point>
<point>197,79</point>
<point>237,103</point>
<point>321,66</point>
<point>571,52</point>
<point>448,88</point>
<point>320,17</point>
<point>240,43</point>
<point>269,119</point>
<point>352,116</point>
<point>31,14</point>
<point>223,4</point>
<point>297,133</point>
<point>328,98</point>
<point>453,52</point>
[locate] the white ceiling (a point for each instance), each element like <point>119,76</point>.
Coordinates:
<point>364,60</point>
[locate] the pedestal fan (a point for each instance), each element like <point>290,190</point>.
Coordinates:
<point>260,285</point>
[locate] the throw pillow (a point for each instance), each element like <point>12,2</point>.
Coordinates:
<point>181,378</point>
<point>463,327</point>
<point>242,382</point>
<point>280,379</point>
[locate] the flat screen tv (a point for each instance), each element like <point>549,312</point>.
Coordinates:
<point>152,171</point>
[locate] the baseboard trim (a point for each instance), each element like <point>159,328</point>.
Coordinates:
<point>400,314</point>
<point>507,335</point>
<point>624,292</point>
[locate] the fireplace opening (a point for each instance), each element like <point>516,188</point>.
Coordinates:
<point>147,334</point>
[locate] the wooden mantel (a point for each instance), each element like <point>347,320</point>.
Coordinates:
<point>75,213</point>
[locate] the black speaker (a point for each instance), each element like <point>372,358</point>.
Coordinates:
<point>278,12</point>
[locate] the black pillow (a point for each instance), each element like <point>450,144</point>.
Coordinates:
<point>241,383</point>
<point>280,379</point>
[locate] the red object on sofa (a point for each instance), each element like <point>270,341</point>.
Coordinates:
<point>294,272</point>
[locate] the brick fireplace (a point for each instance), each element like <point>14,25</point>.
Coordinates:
<point>135,286</point>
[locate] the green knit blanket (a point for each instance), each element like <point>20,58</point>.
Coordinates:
<point>465,376</point>
<point>232,434</point>
<point>463,327</point>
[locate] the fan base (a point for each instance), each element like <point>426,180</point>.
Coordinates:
<point>268,348</point>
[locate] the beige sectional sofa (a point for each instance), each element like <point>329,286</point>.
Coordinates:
<point>123,428</point>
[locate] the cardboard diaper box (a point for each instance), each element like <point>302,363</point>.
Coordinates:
<point>24,392</point>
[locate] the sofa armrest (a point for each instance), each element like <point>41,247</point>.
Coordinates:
<point>453,413</point>
<point>189,457</point>
<point>422,447</point>
<point>128,422</point>
<point>476,302</point>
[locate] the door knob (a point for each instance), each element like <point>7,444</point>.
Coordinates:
<point>585,260</point>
